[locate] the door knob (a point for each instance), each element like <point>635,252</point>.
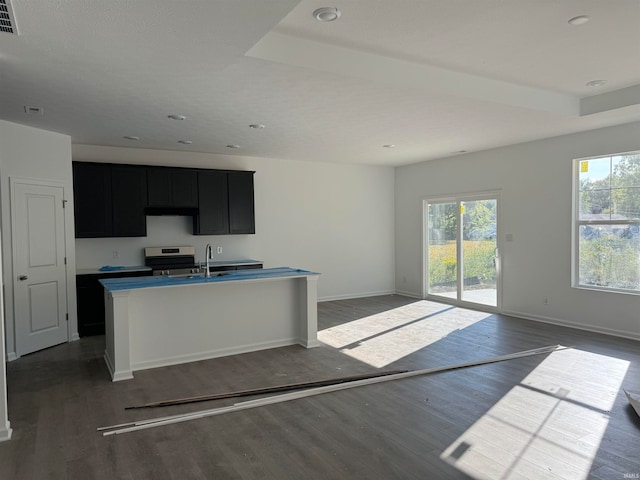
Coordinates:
<point>22,277</point>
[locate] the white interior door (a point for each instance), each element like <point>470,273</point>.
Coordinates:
<point>39,283</point>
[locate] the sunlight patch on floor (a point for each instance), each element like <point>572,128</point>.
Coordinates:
<point>548,426</point>
<point>386,337</point>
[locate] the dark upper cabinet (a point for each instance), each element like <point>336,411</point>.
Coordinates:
<point>226,204</point>
<point>213,209</point>
<point>92,200</point>
<point>129,199</point>
<point>109,200</point>
<point>241,203</point>
<point>172,187</point>
<point>112,200</point>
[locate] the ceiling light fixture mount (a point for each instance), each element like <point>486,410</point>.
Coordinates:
<point>596,83</point>
<point>177,117</point>
<point>327,14</point>
<point>131,137</point>
<point>579,20</point>
<point>389,145</point>
<point>185,142</point>
<point>257,126</point>
<point>233,146</point>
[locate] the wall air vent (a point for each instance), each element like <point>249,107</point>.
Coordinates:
<point>7,18</point>
<point>33,110</point>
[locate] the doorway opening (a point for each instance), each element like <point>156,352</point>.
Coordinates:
<point>462,262</point>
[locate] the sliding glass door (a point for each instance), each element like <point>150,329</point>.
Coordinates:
<point>462,262</point>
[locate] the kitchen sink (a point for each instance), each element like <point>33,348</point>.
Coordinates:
<point>187,275</point>
<point>197,275</point>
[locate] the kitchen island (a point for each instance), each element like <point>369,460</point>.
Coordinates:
<point>158,321</point>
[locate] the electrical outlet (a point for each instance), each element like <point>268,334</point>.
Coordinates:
<point>116,254</point>
<point>219,250</point>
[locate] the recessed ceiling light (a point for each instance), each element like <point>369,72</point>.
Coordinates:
<point>233,146</point>
<point>131,137</point>
<point>389,145</point>
<point>185,142</point>
<point>256,125</point>
<point>326,14</point>
<point>579,20</point>
<point>177,117</point>
<point>33,110</point>
<point>596,83</point>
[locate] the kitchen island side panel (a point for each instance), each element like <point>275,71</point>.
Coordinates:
<point>176,325</point>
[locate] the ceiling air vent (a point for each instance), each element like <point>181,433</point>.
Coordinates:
<point>7,19</point>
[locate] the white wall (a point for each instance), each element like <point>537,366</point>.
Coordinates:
<point>535,180</point>
<point>331,218</point>
<point>36,154</point>
<point>5,427</point>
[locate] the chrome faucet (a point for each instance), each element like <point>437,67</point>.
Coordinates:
<point>207,257</point>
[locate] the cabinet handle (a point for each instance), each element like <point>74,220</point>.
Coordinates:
<point>22,278</point>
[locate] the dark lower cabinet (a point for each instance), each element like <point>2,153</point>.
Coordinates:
<point>90,298</point>
<point>229,268</point>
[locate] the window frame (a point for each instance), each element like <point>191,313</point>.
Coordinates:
<point>577,223</point>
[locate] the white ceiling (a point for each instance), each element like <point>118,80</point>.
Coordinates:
<point>432,77</point>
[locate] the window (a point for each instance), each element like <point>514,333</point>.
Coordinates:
<point>607,222</point>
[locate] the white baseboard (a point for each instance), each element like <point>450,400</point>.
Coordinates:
<point>11,356</point>
<point>74,337</point>
<point>409,294</point>
<point>5,432</point>
<point>349,296</point>
<point>577,326</point>
<point>116,376</point>
<point>222,352</point>
<point>311,344</point>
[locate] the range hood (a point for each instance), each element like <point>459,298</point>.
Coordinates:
<point>175,211</point>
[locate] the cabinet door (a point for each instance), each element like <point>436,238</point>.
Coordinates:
<point>92,200</point>
<point>213,209</point>
<point>129,190</point>
<point>184,188</point>
<point>159,187</point>
<point>241,204</point>
<point>90,298</point>
<point>172,187</point>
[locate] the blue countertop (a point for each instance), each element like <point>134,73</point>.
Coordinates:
<point>112,270</point>
<point>115,269</point>
<point>230,276</point>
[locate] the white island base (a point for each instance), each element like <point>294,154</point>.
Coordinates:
<point>154,326</point>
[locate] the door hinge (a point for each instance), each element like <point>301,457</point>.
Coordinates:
<point>65,260</point>
<point>64,203</point>
<point>67,317</point>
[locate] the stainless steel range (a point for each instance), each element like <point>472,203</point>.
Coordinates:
<point>171,260</point>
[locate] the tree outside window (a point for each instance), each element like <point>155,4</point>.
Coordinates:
<point>608,222</point>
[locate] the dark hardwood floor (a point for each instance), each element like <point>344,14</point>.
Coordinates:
<point>562,415</point>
